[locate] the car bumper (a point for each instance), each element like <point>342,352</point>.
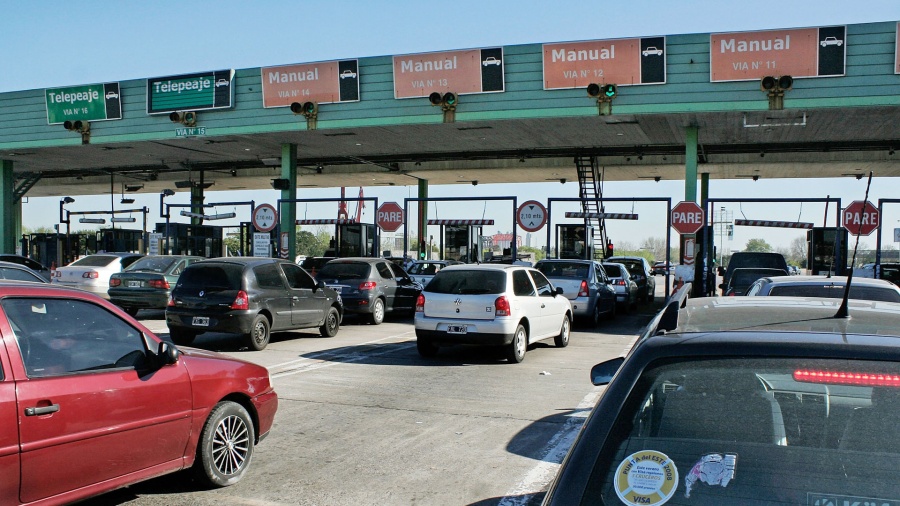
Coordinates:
<point>235,322</point>
<point>266,405</point>
<point>582,306</point>
<point>95,289</point>
<point>496,332</point>
<point>139,301</point>
<point>358,305</point>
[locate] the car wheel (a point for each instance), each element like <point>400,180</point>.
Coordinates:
<point>132,311</point>
<point>562,340</point>
<point>225,446</point>
<point>332,323</point>
<point>427,349</point>
<point>515,353</point>
<point>259,333</point>
<point>182,337</point>
<point>596,315</point>
<point>377,315</point>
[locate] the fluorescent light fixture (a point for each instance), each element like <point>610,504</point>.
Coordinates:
<point>127,201</point>
<point>184,184</point>
<point>222,216</point>
<point>193,215</point>
<point>123,219</point>
<point>270,161</point>
<point>98,221</point>
<point>133,187</point>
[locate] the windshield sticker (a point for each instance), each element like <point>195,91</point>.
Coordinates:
<point>813,499</point>
<point>646,477</point>
<point>712,469</point>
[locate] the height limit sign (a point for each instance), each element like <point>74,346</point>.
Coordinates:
<point>532,216</point>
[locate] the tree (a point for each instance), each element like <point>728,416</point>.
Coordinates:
<point>797,251</point>
<point>758,245</point>
<point>308,244</point>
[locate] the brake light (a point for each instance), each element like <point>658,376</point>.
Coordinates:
<point>113,282</point>
<point>619,282</point>
<point>159,283</point>
<point>501,306</point>
<point>171,302</point>
<point>420,303</point>
<point>583,289</point>
<point>91,275</point>
<point>869,379</point>
<point>367,285</point>
<point>241,301</point>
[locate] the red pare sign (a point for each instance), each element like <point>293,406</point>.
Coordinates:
<point>389,216</point>
<point>860,218</point>
<point>687,217</point>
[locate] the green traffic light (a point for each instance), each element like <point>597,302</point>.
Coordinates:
<point>609,90</point>
<point>422,255</point>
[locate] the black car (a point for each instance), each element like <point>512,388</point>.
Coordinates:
<point>18,272</point>
<point>34,265</point>
<point>371,286</point>
<point>250,296</point>
<point>641,273</point>
<point>745,400</point>
<point>147,283</point>
<point>748,259</point>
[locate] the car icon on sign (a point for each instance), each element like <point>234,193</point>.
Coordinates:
<point>652,50</point>
<point>111,95</point>
<point>222,82</point>
<point>831,41</point>
<point>348,74</point>
<point>490,60</point>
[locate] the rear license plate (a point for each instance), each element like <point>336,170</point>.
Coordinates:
<point>134,284</point>
<point>200,321</point>
<point>456,329</point>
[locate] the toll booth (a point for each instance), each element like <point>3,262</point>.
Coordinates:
<point>189,239</point>
<point>827,250</point>
<point>461,242</point>
<point>355,240</point>
<point>574,241</point>
<point>120,240</point>
<point>44,248</point>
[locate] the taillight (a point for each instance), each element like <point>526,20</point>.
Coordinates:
<point>159,283</point>
<point>583,290</point>
<point>420,304</point>
<point>171,302</point>
<point>57,274</point>
<point>113,282</point>
<point>91,275</point>
<point>872,379</point>
<point>501,306</point>
<point>620,282</point>
<point>367,285</point>
<point>241,301</point>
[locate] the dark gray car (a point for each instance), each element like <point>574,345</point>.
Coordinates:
<point>250,296</point>
<point>371,286</point>
<point>585,284</point>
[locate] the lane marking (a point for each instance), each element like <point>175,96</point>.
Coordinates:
<point>312,363</point>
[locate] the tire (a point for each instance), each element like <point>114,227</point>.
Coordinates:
<point>377,315</point>
<point>182,337</point>
<point>515,351</point>
<point>596,316</point>
<point>225,446</point>
<point>427,349</point>
<point>562,340</point>
<point>132,311</point>
<point>651,294</point>
<point>332,323</point>
<point>259,334</point>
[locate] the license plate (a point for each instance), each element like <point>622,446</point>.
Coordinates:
<point>200,321</point>
<point>456,329</point>
<point>134,284</point>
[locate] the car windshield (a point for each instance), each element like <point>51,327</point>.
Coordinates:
<point>837,291</point>
<point>152,264</point>
<point>94,261</point>
<point>344,270</point>
<point>777,430</point>
<point>212,277</point>
<point>467,282</point>
<point>563,269</point>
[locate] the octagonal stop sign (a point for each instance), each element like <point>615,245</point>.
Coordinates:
<point>389,216</point>
<point>860,218</point>
<point>687,217</point>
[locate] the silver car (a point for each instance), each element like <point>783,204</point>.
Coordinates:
<point>825,286</point>
<point>585,284</point>
<point>625,285</point>
<point>422,272</point>
<point>92,272</point>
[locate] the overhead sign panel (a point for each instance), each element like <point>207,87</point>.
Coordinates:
<point>622,62</point>
<point>190,92</point>
<point>323,83</point>
<point>461,72</point>
<point>800,52</point>
<point>92,102</point>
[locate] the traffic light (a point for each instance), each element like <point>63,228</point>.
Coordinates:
<point>422,255</point>
<point>308,109</point>
<point>775,86</point>
<point>609,250</point>
<point>602,91</point>
<point>78,126</point>
<point>186,118</point>
<point>447,101</point>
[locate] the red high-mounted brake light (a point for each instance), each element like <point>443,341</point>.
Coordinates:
<point>159,283</point>
<point>367,285</point>
<point>583,289</point>
<point>420,303</point>
<point>114,282</point>
<point>241,301</point>
<point>501,306</point>
<point>868,379</point>
<point>91,275</point>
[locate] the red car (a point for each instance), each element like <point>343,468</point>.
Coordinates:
<point>91,401</point>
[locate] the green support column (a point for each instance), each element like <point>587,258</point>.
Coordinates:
<point>9,221</point>
<point>197,199</point>
<point>690,164</point>
<point>287,215</point>
<point>423,219</point>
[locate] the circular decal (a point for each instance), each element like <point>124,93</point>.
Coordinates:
<point>647,477</point>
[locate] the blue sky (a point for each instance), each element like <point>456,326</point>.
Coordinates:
<point>60,43</point>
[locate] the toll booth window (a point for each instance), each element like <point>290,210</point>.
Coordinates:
<point>267,276</point>
<point>522,286</point>
<point>297,277</point>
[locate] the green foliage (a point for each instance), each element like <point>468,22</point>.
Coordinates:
<point>758,245</point>
<point>539,253</point>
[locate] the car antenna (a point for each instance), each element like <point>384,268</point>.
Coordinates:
<point>834,245</point>
<point>843,311</point>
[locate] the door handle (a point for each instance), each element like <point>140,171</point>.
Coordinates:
<point>295,298</point>
<point>543,306</point>
<point>43,410</point>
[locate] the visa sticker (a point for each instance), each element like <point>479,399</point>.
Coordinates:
<point>646,477</point>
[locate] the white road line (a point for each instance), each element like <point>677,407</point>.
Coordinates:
<point>540,475</point>
<point>312,363</point>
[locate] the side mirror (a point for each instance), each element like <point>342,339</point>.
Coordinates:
<point>559,290</point>
<point>167,354</point>
<point>602,373</point>
<point>720,270</point>
<point>320,285</point>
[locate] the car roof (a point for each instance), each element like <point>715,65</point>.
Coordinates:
<point>16,266</point>
<point>566,260</point>
<point>484,267</point>
<point>241,261</point>
<point>836,280</point>
<point>368,260</point>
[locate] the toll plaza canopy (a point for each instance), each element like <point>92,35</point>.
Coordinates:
<point>796,102</point>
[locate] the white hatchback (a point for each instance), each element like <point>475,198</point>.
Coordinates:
<point>493,305</point>
<point>92,272</point>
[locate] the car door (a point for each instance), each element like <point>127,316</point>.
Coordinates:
<point>308,305</point>
<point>528,302</point>
<point>274,295</point>
<point>9,430</point>
<point>91,406</point>
<point>407,289</point>
<point>387,282</point>
<point>606,293</point>
<point>551,305</point>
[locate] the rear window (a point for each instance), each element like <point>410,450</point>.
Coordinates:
<point>425,268</point>
<point>760,431</point>
<point>214,277</point>
<point>344,270</point>
<point>153,264</point>
<point>467,282</point>
<point>94,261</point>
<point>613,271</point>
<point>563,269</point>
<point>836,292</point>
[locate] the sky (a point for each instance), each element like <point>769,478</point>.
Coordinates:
<point>54,43</point>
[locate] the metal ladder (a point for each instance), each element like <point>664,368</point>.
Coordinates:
<point>29,180</point>
<point>590,191</point>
